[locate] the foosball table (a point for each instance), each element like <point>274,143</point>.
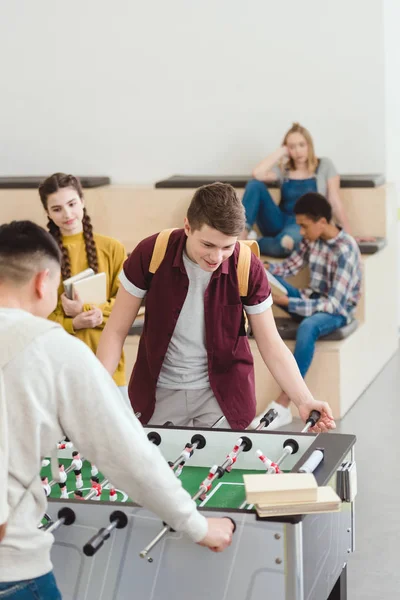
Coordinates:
<point>115,549</point>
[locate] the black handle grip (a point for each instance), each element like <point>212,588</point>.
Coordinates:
<point>67,514</point>
<point>269,417</point>
<point>154,437</point>
<point>96,542</point>
<point>314,417</point>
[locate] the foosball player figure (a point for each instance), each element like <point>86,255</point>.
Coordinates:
<point>96,485</point>
<point>78,495</point>
<point>94,470</point>
<point>62,478</point>
<point>64,445</point>
<point>77,467</point>
<point>46,486</point>
<point>113,493</point>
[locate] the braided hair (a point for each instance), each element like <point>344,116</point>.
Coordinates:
<point>51,185</point>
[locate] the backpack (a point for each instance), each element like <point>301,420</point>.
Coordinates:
<point>247,247</point>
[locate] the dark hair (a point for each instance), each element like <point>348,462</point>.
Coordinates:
<point>217,205</point>
<point>25,248</point>
<point>75,453</point>
<point>314,206</point>
<point>78,493</point>
<point>95,479</point>
<point>51,185</point>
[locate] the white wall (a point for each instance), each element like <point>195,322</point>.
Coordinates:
<point>392,105</point>
<point>141,90</point>
<point>392,88</point>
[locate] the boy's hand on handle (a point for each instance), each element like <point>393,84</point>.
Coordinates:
<point>72,308</point>
<point>219,535</point>
<point>88,319</point>
<point>326,421</point>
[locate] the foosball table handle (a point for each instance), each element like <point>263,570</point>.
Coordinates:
<point>65,516</point>
<point>118,520</point>
<point>313,418</point>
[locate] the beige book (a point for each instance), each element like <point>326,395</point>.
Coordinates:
<point>285,488</point>
<point>68,282</point>
<point>327,501</point>
<point>92,290</point>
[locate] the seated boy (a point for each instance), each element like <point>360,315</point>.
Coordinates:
<point>52,385</point>
<point>330,300</point>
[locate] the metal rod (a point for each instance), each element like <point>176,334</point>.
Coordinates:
<point>287,452</point>
<point>149,547</point>
<point>181,458</point>
<point>202,490</point>
<point>56,525</point>
<point>306,428</point>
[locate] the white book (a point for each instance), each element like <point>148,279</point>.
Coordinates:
<point>91,287</point>
<point>68,282</point>
<point>285,488</point>
<point>276,286</point>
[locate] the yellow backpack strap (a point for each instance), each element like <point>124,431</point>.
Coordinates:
<point>160,248</point>
<point>247,247</point>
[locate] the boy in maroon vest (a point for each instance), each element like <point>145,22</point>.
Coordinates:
<point>194,362</point>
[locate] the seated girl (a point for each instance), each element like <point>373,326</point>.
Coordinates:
<point>298,171</point>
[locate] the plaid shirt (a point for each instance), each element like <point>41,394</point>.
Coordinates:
<point>335,276</point>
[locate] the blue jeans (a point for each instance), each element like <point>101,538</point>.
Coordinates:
<point>40,588</point>
<point>273,222</point>
<point>310,329</point>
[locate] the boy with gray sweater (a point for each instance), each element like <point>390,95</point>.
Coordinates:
<point>52,385</point>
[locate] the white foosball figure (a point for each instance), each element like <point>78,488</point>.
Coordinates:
<point>77,467</point>
<point>94,470</point>
<point>62,478</point>
<point>45,462</point>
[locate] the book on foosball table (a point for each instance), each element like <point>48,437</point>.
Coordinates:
<point>285,488</point>
<point>327,501</point>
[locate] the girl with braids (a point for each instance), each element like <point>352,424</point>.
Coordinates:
<point>70,225</point>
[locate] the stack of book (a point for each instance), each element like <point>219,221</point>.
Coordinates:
<point>289,494</point>
<point>91,287</point>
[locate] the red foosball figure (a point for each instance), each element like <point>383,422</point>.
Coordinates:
<point>94,481</point>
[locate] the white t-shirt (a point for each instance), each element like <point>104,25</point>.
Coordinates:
<point>185,366</point>
<point>56,387</point>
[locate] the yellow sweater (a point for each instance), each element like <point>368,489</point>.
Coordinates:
<point>111,256</point>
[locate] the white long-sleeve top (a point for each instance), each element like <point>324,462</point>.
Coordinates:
<point>55,386</point>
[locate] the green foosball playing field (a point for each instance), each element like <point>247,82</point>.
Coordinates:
<point>227,492</point>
